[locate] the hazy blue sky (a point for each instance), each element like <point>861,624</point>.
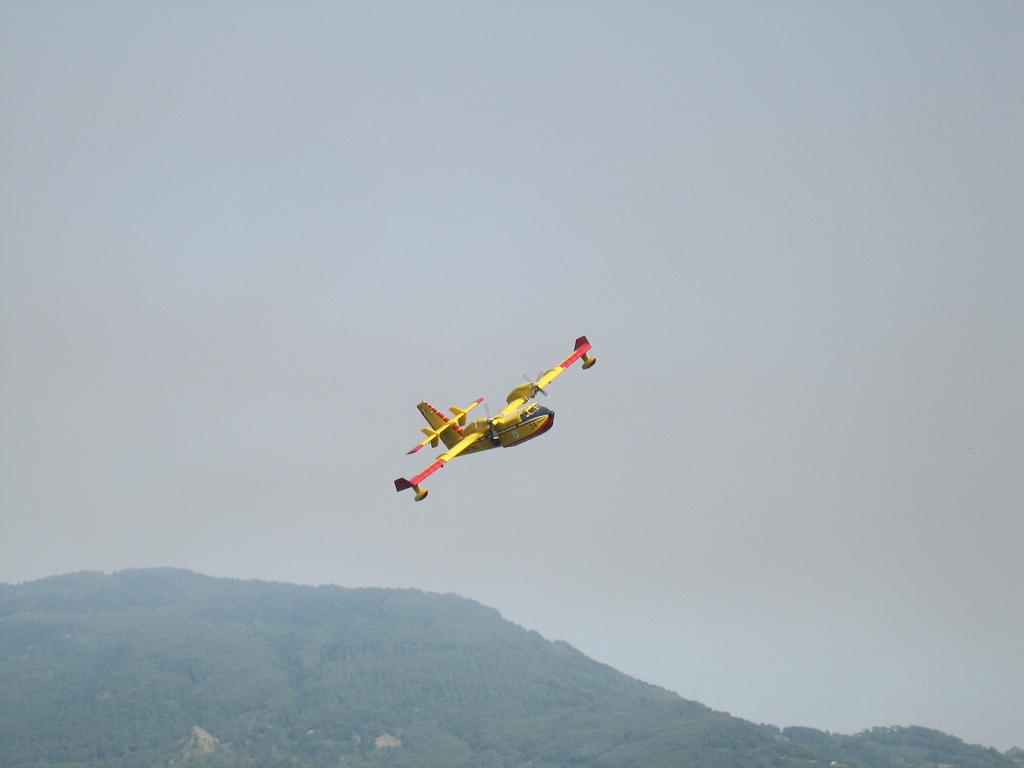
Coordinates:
<point>239,242</point>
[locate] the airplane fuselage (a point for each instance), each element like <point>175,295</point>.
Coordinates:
<point>532,421</point>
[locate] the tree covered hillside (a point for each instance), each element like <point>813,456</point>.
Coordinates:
<point>167,667</point>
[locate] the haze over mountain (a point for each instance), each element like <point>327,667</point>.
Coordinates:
<point>168,667</point>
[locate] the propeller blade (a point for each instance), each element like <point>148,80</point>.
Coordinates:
<point>533,383</point>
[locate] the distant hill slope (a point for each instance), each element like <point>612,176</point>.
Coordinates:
<point>167,667</point>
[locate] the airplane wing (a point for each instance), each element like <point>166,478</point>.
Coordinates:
<point>414,482</point>
<point>528,390</point>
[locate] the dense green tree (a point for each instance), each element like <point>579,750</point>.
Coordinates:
<point>166,667</point>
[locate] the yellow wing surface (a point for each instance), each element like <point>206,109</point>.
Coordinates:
<point>528,390</point>
<point>515,400</point>
<point>414,482</point>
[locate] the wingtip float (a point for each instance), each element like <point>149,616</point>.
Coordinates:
<point>520,420</point>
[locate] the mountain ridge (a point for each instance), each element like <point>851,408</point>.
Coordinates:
<point>167,666</point>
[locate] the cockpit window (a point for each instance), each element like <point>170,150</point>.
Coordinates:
<point>531,410</point>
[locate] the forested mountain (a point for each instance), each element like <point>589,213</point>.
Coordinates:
<point>167,667</point>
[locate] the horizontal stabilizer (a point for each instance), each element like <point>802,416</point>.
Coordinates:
<point>460,413</point>
<point>433,435</point>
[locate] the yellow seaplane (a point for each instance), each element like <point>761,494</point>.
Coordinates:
<point>520,420</point>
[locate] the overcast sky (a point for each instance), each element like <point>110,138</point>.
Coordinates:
<point>239,243</point>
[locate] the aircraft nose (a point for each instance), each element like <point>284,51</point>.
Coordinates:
<point>548,423</point>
